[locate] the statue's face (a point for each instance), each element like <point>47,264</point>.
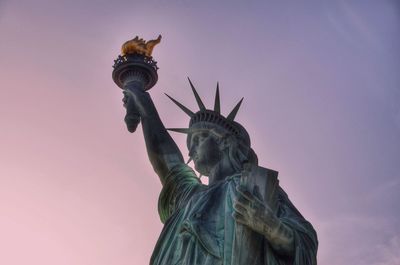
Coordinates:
<point>205,152</point>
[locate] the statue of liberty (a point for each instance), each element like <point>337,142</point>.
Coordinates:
<point>242,216</point>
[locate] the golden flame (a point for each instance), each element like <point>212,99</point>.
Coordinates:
<point>139,46</point>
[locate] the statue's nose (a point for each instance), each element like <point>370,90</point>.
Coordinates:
<point>192,150</point>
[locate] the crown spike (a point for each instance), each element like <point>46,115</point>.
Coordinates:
<point>233,113</point>
<point>189,160</point>
<point>196,95</point>
<point>186,110</point>
<point>180,130</point>
<point>217,103</point>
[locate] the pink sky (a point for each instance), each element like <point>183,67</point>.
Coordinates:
<point>321,87</point>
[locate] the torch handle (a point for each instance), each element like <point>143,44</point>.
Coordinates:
<point>132,118</point>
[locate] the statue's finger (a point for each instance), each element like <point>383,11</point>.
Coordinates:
<point>128,93</point>
<point>241,188</point>
<point>239,218</point>
<point>243,200</point>
<point>237,206</point>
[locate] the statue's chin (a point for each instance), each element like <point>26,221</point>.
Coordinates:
<point>201,169</point>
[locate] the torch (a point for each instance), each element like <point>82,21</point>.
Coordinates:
<point>135,68</point>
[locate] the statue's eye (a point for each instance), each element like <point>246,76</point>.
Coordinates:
<point>204,134</point>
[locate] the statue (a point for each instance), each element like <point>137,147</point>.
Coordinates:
<point>242,216</point>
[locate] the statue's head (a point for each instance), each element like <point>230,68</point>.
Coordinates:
<point>212,137</point>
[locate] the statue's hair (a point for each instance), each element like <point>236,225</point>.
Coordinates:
<point>239,153</point>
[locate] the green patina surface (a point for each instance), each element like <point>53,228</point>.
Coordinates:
<point>199,228</point>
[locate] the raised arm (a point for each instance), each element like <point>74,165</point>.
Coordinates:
<point>163,152</point>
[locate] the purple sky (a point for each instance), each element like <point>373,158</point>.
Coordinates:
<point>322,105</point>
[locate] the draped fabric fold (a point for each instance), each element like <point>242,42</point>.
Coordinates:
<point>199,228</point>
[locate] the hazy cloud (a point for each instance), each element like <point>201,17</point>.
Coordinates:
<point>389,252</point>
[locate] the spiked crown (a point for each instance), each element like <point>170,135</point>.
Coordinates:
<point>212,119</point>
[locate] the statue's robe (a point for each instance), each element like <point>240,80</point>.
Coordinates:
<point>199,228</point>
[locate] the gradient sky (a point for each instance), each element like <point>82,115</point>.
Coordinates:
<point>322,104</point>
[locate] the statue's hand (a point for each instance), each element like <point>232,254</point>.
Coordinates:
<point>138,105</point>
<point>132,117</point>
<point>252,212</point>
